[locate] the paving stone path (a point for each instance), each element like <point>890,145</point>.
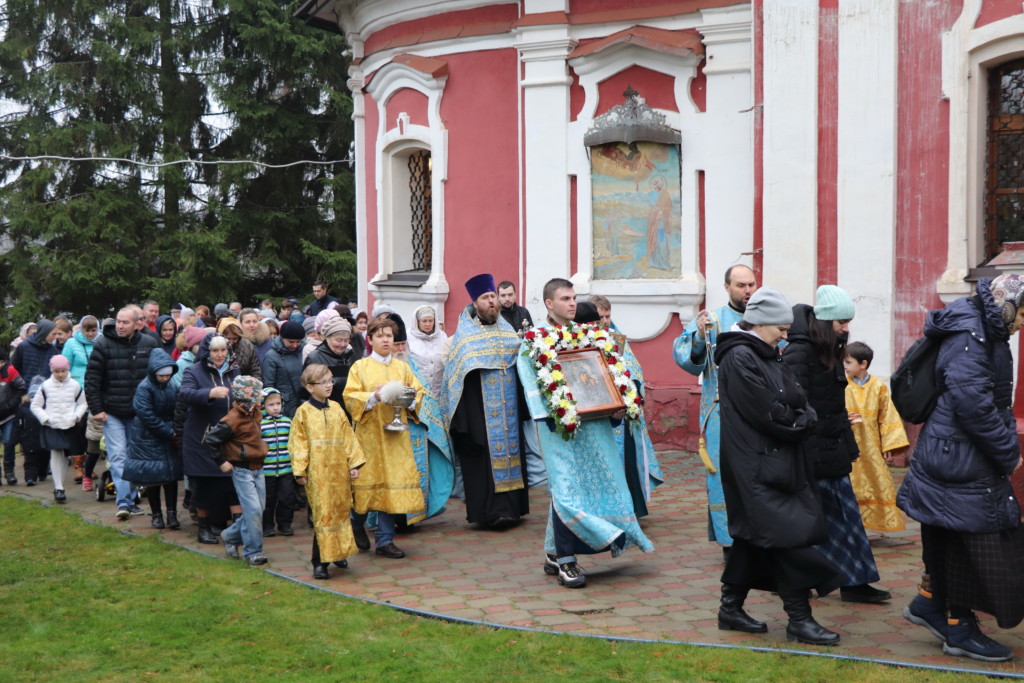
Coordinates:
<point>456,570</point>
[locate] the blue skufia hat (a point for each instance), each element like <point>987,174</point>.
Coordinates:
<point>479,285</point>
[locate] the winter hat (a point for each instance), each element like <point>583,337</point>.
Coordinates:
<point>221,309</point>
<point>266,313</point>
<point>767,306</point>
<point>309,325</point>
<point>165,370</point>
<point>335,326</point>
<point>1008,291</point>
<point>296,316</point>
<point>381,309</point>
<point>59,363</point>
<point>832,303</point>
<point>267,391</point>
<point>193,335</point>
<point>245,391</point>
<point>425,312</point>
<point>292,330</point>
<point>323,316</point>
<point>186,311</point>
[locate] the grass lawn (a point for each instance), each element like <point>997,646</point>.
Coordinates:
<point>82,602</point>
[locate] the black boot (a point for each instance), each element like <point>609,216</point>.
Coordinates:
<point>320,571</point>
<point>157,521</point>
<point>172,520</point>
<point>802,627</point>
<point>206,534</point>
<point>731,615</point>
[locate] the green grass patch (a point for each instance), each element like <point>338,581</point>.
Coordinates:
<point>82,602</point>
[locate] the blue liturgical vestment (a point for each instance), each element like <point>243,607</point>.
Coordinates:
<point>433,453</point>
<point>693,355</point>
<point>586,478</point>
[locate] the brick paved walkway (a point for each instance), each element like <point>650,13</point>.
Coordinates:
<point>671,594</point>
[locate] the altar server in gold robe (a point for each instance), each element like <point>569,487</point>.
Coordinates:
<point>389,483</point>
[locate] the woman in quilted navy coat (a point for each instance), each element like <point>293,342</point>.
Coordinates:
<point>153,459</point>
<point>205,393</point>
<point>958,486</point>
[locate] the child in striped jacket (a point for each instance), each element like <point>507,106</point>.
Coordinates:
<point>277,467</point>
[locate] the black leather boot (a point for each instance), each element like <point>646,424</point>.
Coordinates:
<point>731,615</point>
<point>172,520</point>
<point>206,534</point>
<point>802,627</point>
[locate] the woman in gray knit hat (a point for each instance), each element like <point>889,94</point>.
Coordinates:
<point>773,506</point>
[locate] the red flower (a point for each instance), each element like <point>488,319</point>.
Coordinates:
<point>558,366</point>
<point>529,335</point>
<point>542,359</point>
<point>611,360</point>
<point>552,386</point>
<point>543,332</point>
<point>627,374</point>
<point>638,400</point>
<point>560,411</point>
<point>622,389</point>
<point>571,427</point>
<point>568,395</point>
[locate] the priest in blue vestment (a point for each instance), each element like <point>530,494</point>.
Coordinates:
<point>482,400</point>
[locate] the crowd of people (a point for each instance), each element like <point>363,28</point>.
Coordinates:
<point>369,425</point>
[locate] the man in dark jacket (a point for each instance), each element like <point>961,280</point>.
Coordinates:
<point>958,486</point>
<point>284,366</point>
<point>321,299</point>
<point>31,358</point>
<point>517,316</point>
<point>119,361</point>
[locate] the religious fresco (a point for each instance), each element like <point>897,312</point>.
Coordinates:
<point>636,211</point>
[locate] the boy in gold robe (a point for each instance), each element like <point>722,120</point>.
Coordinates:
<point>326,458</point>
<point>879,431</point>
<point>389,483</point>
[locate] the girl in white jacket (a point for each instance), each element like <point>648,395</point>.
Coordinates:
<point>59,405</point>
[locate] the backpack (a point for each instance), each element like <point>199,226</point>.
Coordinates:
<point>914,386</point>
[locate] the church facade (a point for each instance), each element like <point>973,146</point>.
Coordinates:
<point>640,148</point>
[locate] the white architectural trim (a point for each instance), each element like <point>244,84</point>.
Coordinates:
<point>866,179</point>
<point>393,139</point>
<point>968,53</point>
<point>369,16</point>
<point>790,147</point>
<point>355,85</point>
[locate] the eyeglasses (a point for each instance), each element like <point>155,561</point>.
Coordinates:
<point>326,383</point>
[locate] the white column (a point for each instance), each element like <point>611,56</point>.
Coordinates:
<point>790,147</point>
<point>545,92</point>
<point>728,144</point>
<point>866,192</point>
<point>355,85</point>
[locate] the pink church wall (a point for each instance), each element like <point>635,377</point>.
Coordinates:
<point>412,102</point>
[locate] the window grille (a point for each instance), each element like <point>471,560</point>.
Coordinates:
<point>1004,170</point>
<point>420,206</point>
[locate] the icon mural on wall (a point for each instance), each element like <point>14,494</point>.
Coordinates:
<point>635,187</point>
<point>636,211</point>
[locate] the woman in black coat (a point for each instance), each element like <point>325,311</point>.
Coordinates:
<point>958,486</point>
<point>336,353</point>
<point>773,506</point>
<point>206,391</point>
<point>817,345</point>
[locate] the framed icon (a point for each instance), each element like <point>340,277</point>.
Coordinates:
<point>590,382</point>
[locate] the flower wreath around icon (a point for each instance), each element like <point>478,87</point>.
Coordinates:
<point>542,346</point>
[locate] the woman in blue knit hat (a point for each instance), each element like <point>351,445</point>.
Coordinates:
<point>817,345</point>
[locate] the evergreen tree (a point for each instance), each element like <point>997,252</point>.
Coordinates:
<point>163,80</point>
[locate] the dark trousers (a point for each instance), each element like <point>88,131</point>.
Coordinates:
<point>170,497</point>
<point>92,456</point>
<point>315,557</point>
<point>36,464</point>
<point>280,501</point>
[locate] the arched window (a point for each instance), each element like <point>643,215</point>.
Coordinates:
<point>1004,168</point>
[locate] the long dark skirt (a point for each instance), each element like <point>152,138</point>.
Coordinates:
<point>847,546</point>
<point>483,504</point>
<point>783,570</point>
<point>213,493</point>
<point>978,571</point>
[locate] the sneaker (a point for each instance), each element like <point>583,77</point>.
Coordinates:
<point>123,514</point>
<point>864,593</point>
<point>965,639</point>
<point>925,611</point>
<point>570,576</point>
<point>231,551</point>
<point>286,531</point>
<point>58,495</point>
<point>30,482</point>
<point>136,510</point>
<point>390,550</point>
<point>87,483</point>
<point>256,560</point>
<point>11,479</point>
<point>550,565</point>
<point>268,531</point>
